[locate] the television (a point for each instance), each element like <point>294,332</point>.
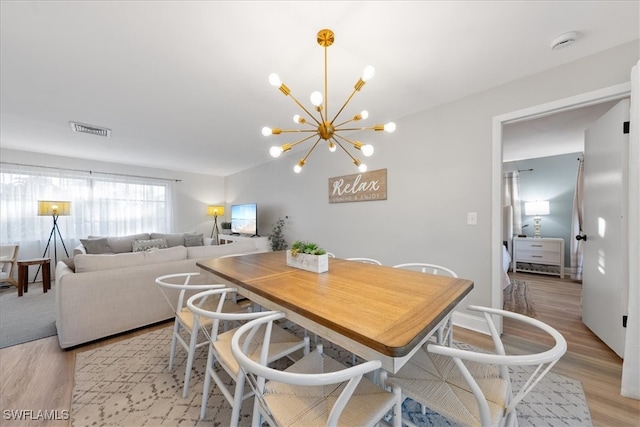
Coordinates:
<point>244,219</point>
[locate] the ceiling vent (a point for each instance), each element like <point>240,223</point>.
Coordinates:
<point>565,40</point>
<point>90,129</point>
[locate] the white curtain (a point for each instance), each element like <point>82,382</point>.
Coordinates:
<point>101,205</point>
<point>511,197</point>
<point>576,224</point>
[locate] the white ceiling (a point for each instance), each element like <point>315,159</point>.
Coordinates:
<point>183,85</point>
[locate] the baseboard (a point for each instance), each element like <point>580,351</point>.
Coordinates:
<point>468,321</point>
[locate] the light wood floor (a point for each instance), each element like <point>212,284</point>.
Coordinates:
<point>39,375</point>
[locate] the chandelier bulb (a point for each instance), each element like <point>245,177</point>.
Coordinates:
<point>266,131</point>
<point>275,151</point>
<point>316,99</point>
<point>299,119</point>
<point>390,127</point>
<point>298,168</point>
<point>367,150</point>
<point>364,114</point>
<point>368,73</point>
<point>274,79</point>
<point>332,146</point>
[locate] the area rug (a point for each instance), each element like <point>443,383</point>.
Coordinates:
<point>516,298</point>
<point>128,384</point>
<point>26,318</point>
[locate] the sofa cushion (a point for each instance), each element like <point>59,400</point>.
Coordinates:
<point>97,245</point>
<point>173,239</point>
<point>192,239</point>
<point>123,244</point>
<point>216,251</point>
<point>84,263</point>
<point>144,245</point>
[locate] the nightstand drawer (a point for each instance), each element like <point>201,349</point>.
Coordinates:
<point>539,256</point>
<point>538,245</point>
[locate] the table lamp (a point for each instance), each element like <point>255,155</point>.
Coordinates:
<point>537,209</point>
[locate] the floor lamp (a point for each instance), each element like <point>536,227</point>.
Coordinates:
<point>214,211</point>
<point>55,209</point>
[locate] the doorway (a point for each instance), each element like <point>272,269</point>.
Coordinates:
<point>591,98</point>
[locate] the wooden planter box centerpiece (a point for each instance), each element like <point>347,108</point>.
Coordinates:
<point>308,256</point>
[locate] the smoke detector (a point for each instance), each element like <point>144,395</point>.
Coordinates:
<point>564,40</point>
<point>90,129</point>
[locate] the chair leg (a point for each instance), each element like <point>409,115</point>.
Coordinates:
<point>207,384</point>
<point>190,356</point>
<point>238,397</point>
<point>174,340</point>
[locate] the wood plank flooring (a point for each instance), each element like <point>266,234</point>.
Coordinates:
<point>38,376</point>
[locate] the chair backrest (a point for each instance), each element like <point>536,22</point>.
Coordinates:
<point>8,259</point>
<point>259,371</point>
<point>181,282</point>
<point>424,267</point>
<point>543,361</point>
<point>331,255</point>
<point>197,304</point>
<point>365,260</point>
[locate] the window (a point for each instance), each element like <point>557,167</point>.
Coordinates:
<point>101,205</point>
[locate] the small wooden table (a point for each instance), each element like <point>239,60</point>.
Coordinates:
<point>23,274</point>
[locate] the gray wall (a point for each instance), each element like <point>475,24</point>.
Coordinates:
<point>554,179</point>
<point>439,168</point>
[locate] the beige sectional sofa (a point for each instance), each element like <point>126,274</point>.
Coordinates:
<point>99,295</point>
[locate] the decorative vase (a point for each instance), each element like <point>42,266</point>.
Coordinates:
<point>314,263</point>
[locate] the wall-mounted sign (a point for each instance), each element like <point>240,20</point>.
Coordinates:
<point>359,187</point>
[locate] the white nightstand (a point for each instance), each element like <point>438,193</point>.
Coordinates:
<point>543,255</point>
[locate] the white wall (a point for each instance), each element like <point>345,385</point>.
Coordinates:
<point>439,168</point>
<point>192,194</point>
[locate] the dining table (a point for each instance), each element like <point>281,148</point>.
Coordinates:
<point>375,312</point>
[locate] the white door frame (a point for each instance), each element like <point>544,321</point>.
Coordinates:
<point>610,93</point>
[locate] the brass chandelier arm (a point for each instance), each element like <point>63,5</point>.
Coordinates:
<point>304,159</point>
<point>355,160</point>
<point>356,144</point>
<point>304,109</point>
<point>345,104</point>
<point>295,130</point>
<point>375,127</point>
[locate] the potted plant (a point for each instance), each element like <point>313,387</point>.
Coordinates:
<point>308,256</point>
<point>226,227</point>
<point>278,242</point>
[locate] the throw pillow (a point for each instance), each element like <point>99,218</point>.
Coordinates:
<point>191,239</point>
<point>97,246</point>
<point>144,245</point>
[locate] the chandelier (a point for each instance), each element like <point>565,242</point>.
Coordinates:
<point>321,127</point>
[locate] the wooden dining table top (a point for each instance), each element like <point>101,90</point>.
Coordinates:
<point>389,310</point>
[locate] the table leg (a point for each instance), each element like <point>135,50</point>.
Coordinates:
<point>22,278</point>
<point>46,277</point>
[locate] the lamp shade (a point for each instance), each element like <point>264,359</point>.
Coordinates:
<point>536,208</point>
<point>54,207</point>
<point>215,210</point>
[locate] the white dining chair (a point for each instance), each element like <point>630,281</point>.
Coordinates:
<point>316,390</point>
<point>185,323</point>
<point>283,344</point>
<point>365,260</point>
<point>445,330</point>
<point>474,388</point>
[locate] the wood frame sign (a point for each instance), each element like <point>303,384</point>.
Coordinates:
<point>360,187</point>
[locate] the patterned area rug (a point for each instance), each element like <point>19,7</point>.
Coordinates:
<point>516,298</point>
<point>128,384</point>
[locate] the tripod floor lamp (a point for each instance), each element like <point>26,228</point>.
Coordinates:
<point>214,211</point>
<point>55,209</point>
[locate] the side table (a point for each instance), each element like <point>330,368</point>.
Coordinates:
<point>23,274</point>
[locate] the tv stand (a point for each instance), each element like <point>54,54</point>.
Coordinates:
<point>263,242</point>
